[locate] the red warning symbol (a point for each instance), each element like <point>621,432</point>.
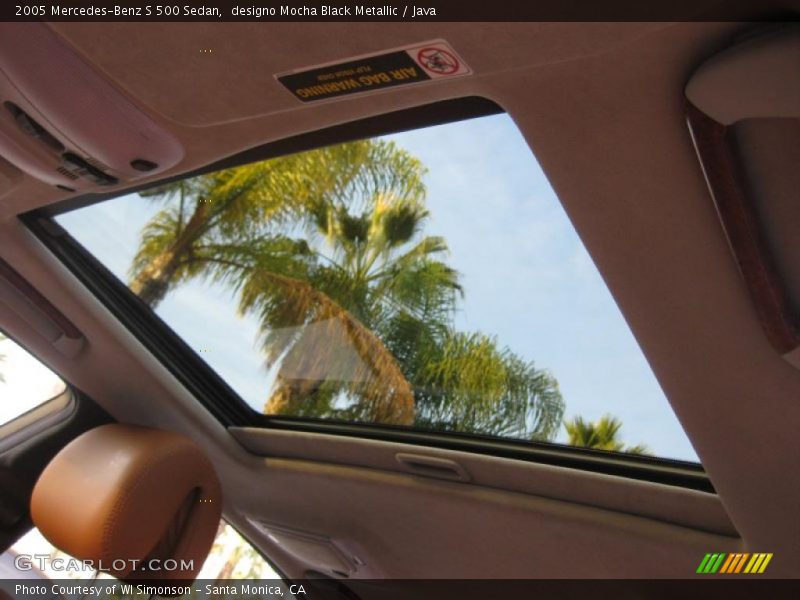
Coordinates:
<point>438,61</point>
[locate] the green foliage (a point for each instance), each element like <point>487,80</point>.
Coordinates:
<point>327,249</point>
<point>470,383</point>
<point>602,434</point>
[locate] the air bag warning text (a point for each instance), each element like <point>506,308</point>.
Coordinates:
<point>400,67</point>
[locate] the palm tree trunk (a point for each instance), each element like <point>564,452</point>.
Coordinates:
<point>153,282</point>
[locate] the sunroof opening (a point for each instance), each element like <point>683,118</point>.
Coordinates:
<point>428,279</point>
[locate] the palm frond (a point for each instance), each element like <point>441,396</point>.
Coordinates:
<point>314,336</point>
<point>471,384</point>
<point>602,434</point>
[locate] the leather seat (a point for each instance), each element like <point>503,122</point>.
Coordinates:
<point>129,498</point>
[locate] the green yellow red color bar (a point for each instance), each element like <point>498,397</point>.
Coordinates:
<point>742,562</point>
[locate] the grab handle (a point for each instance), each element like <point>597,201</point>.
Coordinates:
<point>430,466</point>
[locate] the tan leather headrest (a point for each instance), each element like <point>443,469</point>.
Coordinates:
<point>128,499</point>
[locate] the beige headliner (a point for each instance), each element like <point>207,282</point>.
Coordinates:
<point>601,106</point>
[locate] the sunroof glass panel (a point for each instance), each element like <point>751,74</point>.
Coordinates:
<point>428,279</point>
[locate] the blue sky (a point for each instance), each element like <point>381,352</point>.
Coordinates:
<point>528,280</point>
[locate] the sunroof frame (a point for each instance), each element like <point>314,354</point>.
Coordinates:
<point>216,395</point>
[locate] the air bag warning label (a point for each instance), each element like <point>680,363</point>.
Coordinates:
<point>423,62</point>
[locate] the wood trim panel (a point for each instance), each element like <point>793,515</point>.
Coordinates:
<point>745,234</point>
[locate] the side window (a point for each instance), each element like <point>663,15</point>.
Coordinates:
<point>231,557</point>
<point>25,383</point>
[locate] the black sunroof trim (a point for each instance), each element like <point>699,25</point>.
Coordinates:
<point>227,406</point>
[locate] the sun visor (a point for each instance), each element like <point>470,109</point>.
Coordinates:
<point>64,123</point>
<point>744,115</point>
<point>757,78</point>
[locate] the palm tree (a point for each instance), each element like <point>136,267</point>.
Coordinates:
<point>600,435</point>
<point>229,226</point>
<point>327,304</point>
<point>355,303</point>
<point>250,202</point>
<point>373,261</point>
